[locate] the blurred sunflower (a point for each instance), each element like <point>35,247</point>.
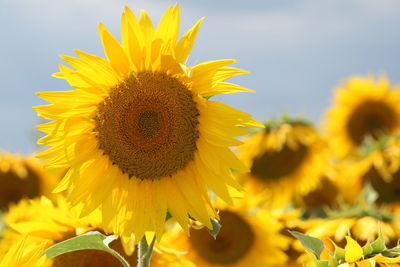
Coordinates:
<point>247,238</point>
<point>46,224</point>
<point>363,228</point>
<point>291,220</point>
<point>23,177</point>
<point>363,107</point>
<point>139,132</point>
<point>377,165</point>
<point>362,221</point>
<point>383,171</point>
<point>286,160</point>
<point>24,254</point>
<point>326,194</point>
<point>354,255</point>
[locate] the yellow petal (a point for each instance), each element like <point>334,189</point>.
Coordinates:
<point>353,251</point>
<point>114,52</point>
<point>130,42</point>
<point>366,263</point>
<point>224,88</point>
<point>168,28</point>
<point>383,259</point>
<point>146,27</point>
<point>185,44</point>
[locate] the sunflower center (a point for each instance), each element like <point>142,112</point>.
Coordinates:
<point>233,241</point>
<point>273,165</point>
<point>91,257</point>
<point>148,125</point>
<point>387,192</point>
<point>14,188</point>
<point>324,196</point>
<point>371,118</point>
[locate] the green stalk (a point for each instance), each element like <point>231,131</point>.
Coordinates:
<point>145,252</point>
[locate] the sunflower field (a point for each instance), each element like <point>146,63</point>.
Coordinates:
<point>142,164</point>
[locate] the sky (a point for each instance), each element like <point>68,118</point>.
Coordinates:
<point>297,51</point>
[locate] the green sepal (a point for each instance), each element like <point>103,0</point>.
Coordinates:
<point>333,261</point>
<point>367,249</point>
<point>378,245</point>
<point>216,228</point>
<point>321,263</point>
<point>309,242</point>
<point>339,252</point>
<point>168,216</point>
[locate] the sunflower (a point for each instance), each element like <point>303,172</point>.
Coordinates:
<point>291,219</point>
<point>353,255</point>
<point>364,221</point>
<point>363,107</point>
<point>377,165</point>
<point>326,194</point>
<point>24,254</point>
<point>248,237</point>
<point>22,177</point>
<point>364,228</point>
<point>49,223</point>
<point>45,223</point>
<point>286,160</point>
<point>138,132</point>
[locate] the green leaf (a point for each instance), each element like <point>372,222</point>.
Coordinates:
<point>89,240</point>
<point>216,228</point>
<point>309,242</point>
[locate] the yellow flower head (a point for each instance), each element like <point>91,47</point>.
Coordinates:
<point>24,254</point>
<point>44,223</point>
<point>377,165</point>
<point>286,160</point>
<point>372,254</point>
<point>364,222</point>
<point>363,107</point>
<point>326,194</point>
<point>23,177</point>
<point>138,132</point>
<point>48,223</point>
<point>355,255</point>
<point>248,237</point>
<point>362,228</point>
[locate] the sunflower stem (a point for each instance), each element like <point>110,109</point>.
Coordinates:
<point>145,252</point>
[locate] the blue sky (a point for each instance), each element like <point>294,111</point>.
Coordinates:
<point>297,51</point>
